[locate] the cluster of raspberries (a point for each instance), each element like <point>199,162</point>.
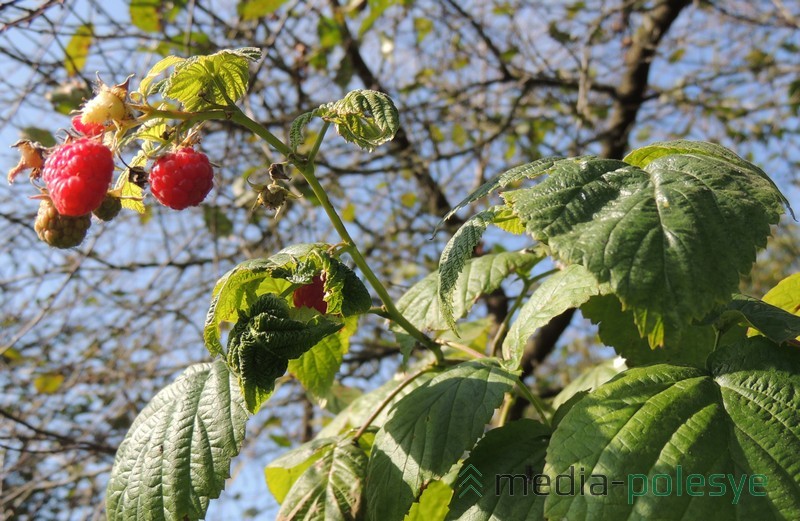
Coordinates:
<point>78,174</point>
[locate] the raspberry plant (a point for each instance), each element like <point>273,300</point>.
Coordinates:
<point>650,248</point>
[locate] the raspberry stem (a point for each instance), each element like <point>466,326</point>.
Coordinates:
<point>306,167</point>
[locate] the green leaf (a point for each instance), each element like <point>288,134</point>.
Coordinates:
<point>590,379</point>
<point>330,488</point>
<point>565,289</point>
<point>146,87</point>
<point>283,472</point>
<point>453,259</point>
<point>365,117</point>
<point>671,239</point>
<point>659,424</point>
<point>177,454</point>
<point>355,414</point>
<point>479,276</point>
<point>296,132</point>
<point>428,431</point>
<point>376,9</point>
<point>617,329</point>
<point>498,470</point>
<point>785,295</point>
<point>235,291</point>
<point>217,221</point>
<point>773,322</point>
<point>255,9</point>
<point>146,14</point>
<point>218,79</point>
<point>527,171</point>
<point>432,504</point>
<point>41,135</point>
<point>48,383</point>
<point>77,49</point>
<point>263,341</point>
<point>317,367</point>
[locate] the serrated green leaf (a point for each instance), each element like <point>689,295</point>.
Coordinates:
<point>317,367</point>
<point>355,414</point>
<point>255,9</point>
<point>432,504</point>
<point>671,239</point>
<point>330,488</point>
<point>218,79</point>
<point>282,472</point>
<point>263,341</point>
<point>176,455</point>
<point>146,85</point>
<point>735,421</point>
<point>507,221</point>
<point>235,291</point>
<point>454,256</point>
<point>479,276</point>
<point>365,117</point>
<point>590,379</point>
<point>499,468</point>
<point>617,329</point>
<point>77,49</point>
<point>773,322</point>
<point>565,289</point>
<point>296,132</point>
<point>428,431</point>
<point>527,171</point>
<point>785,295</point>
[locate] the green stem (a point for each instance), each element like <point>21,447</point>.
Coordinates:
<point>535,401</point>
<point>313,154</point>
<point>306,168</point>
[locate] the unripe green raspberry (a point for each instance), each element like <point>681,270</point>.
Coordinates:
<point>60,231</point>
<point>109,208</point>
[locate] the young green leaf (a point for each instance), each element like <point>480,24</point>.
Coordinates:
<point>785,295</point>
<point>282,472</point>
<point>527,171</point>
<point>263,341</point>
<point>565,289</point>
<point>214,80</point>
<point>176,455</point>
<point>590,379</point>
<point>365,117</point>
<point>454,256</point>
<point>428,431</point>
<point>317,367</point>
<point>654,427</point>
<point>146,86</point>
<point>671,238</point>
<point>480,276</point>
<point>500,469</point>
<point>330,488</point>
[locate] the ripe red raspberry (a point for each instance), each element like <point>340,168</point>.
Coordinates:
<point>87,129</point>
<point>60,231</point>
<point>311,295</point>
<point>77,176</point>
<point>181,179</point>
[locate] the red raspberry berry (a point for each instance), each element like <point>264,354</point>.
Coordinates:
<point>181,179</point>
<point>77,176</point>
<point>87,129</point>
<point>311,295</point>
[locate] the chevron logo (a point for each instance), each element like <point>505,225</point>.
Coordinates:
<point>470,481</point>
